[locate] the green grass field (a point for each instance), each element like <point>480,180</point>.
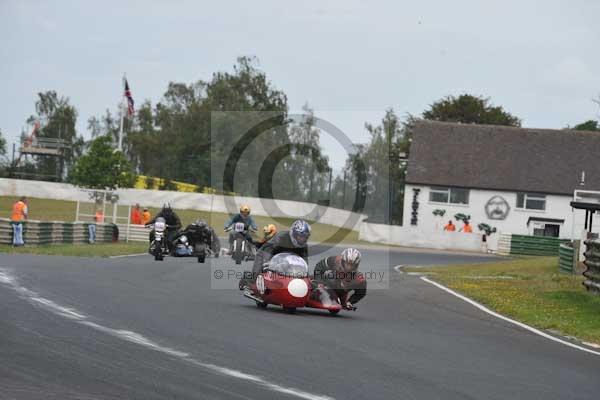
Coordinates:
<point>63,210</point>
<point>531,290</point>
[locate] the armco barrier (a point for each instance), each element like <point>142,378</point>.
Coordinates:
<point>535,245</point>
<point>43,232</point>
<point>592,263</point>
<point>565,257</point>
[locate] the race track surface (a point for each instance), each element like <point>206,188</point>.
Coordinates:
<point>133,328</point>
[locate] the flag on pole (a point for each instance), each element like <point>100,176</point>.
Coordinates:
<point>130,103</point>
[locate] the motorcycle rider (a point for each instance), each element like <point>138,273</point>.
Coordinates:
<point>268,232</point>
<point>293,241</point>
<point>340,273</point>
<point>173,224</point>
<point>245,218</point>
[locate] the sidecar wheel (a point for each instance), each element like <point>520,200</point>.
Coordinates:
<point>290,310</point>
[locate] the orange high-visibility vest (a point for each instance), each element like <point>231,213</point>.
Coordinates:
<point>136,217</point>
<point>19,211</point>
<point>99,216</point>
<point>146,217</point>
<point>468,229</point>
<point>450,228</point>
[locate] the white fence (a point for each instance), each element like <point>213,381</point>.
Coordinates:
<point>504,244</point>
<point>133,233</point>
<point>417,237</point>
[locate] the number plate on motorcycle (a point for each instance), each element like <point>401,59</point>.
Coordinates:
<point>260,284</point>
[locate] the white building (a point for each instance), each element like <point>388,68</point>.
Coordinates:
<point>520,181</point>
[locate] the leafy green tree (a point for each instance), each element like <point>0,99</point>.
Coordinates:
<point>2,145</point>
<point>59,120</point>
<point>589,125</point>
<point>102,167</point>
<point>3,160</point>
<point>376,171</point>
<point>173,139</point>
<point>305,162</point>
<point>469,109</point>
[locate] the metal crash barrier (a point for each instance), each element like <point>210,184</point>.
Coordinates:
<point>52,232</point>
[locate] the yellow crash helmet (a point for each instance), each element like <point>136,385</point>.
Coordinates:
<point>244,209</point>
<point>270,230</point>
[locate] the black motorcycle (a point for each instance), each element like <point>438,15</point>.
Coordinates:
<point>159,247</point>
<point>241,248</point>
<point>196,241</point>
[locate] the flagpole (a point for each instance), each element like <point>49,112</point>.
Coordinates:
<point>122,116</point>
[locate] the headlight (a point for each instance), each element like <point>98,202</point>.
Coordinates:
<point>298,288</point>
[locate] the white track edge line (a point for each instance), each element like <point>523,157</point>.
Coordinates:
<point>70,313</point>
<point>128,255</point>
<point>512,321</point>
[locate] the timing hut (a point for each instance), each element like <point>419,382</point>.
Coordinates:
<point>520,181</point>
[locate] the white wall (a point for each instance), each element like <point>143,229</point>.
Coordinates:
<point>416,237</point>
<point>191,201</point>
<point>557,207</point>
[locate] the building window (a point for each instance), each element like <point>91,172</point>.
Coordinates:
<point>531,201</point>
<point>449,195</point>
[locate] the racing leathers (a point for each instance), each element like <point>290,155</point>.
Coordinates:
<point>280,243</point>
<point>248,223</point>
<point>329,271</point>
<point>173,224</point>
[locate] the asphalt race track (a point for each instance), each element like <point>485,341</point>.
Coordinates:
<point>133,328</point>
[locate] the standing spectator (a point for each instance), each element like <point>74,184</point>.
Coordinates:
<point>136,215</point>
<point>450,227</point>
<point>98,219</point>
<point>467,227</point>
<point>18,216</point>
<point>146,216</point>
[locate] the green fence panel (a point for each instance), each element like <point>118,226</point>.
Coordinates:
<point>565,257</point>
<point>535,245</point>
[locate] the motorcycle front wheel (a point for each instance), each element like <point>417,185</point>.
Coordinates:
<point>238,250</point>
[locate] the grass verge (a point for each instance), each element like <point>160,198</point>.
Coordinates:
<point>64,210</point>
<point>79,250</point>
<point>530,290</point>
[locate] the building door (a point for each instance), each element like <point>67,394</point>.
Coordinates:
<point>551,230</point>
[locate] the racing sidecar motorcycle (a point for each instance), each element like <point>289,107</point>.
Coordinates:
<point>284,281</point>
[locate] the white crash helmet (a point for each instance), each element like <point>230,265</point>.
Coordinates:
<point>350,257</point>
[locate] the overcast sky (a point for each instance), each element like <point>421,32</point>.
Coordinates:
<point>349,60</point>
